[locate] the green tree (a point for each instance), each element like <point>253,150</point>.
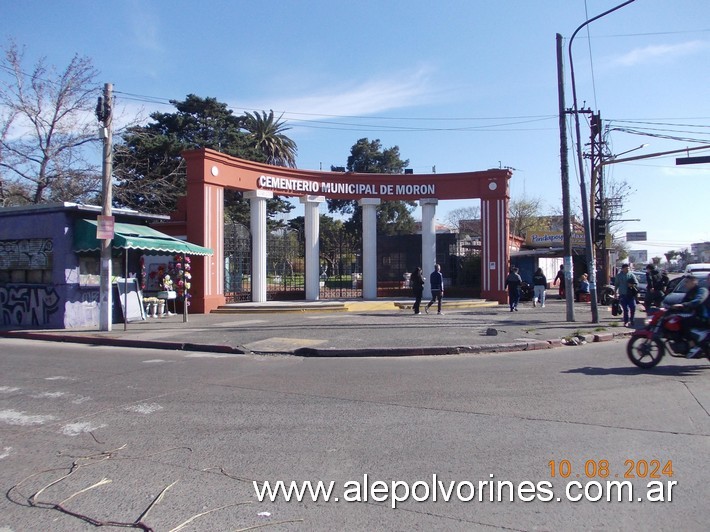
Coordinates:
<point>334,238</point>
<point>46,122</point>
<point>150,172</point>
<point>393,217</point>
<point>684,256</point>
<point>267,136</point>
<point>670,255</point>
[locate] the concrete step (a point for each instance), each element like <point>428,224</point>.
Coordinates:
<point>357,305</point>
<point>452,303</point>
<point>281,306</point>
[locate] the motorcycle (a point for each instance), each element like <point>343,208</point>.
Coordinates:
<point>663,332</point>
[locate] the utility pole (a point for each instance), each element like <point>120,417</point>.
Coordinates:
<point>564,172</point>
<point>598,210</point>
<point>104,227</point>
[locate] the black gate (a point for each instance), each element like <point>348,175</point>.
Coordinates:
<point>399,255</point>
<point>285,265</point>
<point>237,263</point>
<point>341,265</point>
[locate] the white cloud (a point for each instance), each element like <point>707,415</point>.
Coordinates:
<point>661,52</point>
<point>396,91</point>
<point>145,25</point>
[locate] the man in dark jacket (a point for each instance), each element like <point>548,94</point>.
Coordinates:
<point>436,281</point>
<point>654,287</point>
<point>561,278</point>
<point>513,283</point>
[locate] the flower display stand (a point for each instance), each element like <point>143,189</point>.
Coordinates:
<point>164,298</point>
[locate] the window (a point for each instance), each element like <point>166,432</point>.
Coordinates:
<point>90,269</point>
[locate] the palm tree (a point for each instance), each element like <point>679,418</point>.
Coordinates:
<point>267,136</point>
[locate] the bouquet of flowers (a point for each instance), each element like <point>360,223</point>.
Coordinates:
<point>183,276</point>
<point>166,282</point>
<point>142,278</point>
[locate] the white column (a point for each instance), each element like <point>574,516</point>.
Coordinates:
<point>369,247</point>
<point>312,235</point>
<point>428,240</point>
<point>257,201</point>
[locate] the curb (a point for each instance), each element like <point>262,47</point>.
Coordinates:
<point>334,352</point>
<point>313,352</point>
<point>118,342</point>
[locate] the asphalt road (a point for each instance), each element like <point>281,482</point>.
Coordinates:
<point>206,425</point>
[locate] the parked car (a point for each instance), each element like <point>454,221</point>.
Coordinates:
<point>673,283</point>
<point>678,293</point>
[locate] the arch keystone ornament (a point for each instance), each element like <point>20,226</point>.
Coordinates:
<point>200,215</point>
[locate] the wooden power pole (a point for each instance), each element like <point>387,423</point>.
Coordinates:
<point>104,226</point>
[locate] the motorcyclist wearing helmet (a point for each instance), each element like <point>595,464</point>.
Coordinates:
<point>695,326</point>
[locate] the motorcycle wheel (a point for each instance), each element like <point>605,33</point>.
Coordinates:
<point>645,352</point>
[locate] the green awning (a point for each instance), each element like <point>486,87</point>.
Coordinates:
<point>132,236</point>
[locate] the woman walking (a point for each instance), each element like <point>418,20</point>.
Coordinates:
<point>417,282</point>
<point>539,287</point>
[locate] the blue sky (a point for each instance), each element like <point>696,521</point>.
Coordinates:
<point>458,85</point>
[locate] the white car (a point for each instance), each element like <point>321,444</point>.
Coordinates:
<point>698,269</point>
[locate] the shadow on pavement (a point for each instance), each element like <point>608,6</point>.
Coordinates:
<point>668,371</point>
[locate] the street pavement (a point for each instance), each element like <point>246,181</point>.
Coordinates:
<point>357,328</point>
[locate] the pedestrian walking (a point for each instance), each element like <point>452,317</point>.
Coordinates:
<point>513,283</point>
<point>626,286</point>
<point>654,288</point>
<point>539,287</point>
<point>417,282</point>
<point>437,289</point>
<point>561,278</point>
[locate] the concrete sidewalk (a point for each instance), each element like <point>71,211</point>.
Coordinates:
<point>355,328</point>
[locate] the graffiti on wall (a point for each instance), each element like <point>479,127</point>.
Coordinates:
<point>28,305</point>
<point>26,254</point>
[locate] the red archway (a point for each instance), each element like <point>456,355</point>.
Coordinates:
<point>200,215</point>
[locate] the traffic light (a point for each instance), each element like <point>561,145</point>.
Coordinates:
<point>599,228</point>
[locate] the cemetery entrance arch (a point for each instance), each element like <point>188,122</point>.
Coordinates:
<point>200,217</point>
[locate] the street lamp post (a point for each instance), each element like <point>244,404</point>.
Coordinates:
<point>588,246</point>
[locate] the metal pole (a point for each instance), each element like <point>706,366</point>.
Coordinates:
<point>125,289</point>
<point>105,294</point>
<point>564,171</point>
<point>184,291</point>
<point>588,247</point>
